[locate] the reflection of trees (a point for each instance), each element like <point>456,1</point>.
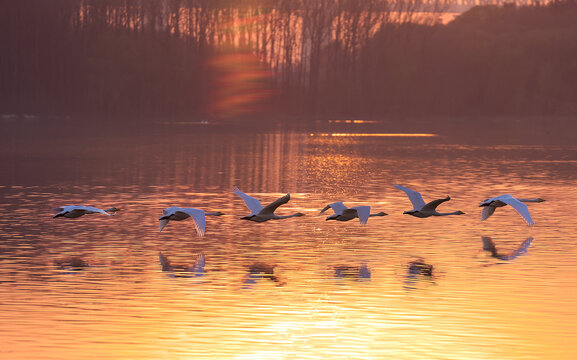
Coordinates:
<point>331,57</point>
<point>265,162</point>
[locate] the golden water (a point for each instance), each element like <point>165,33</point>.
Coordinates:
<point>124,307</point>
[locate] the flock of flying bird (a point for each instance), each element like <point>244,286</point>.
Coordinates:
<point>258,213</point>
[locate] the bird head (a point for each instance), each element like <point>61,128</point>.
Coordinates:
<point>540,200</point>
<point>218,213</point>
<point>459,212</point>
<point>381,214</point>
<point>299,214</point>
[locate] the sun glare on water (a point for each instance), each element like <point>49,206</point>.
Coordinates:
<point>374,134</point>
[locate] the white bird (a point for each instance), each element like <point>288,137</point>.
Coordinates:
<point>422,210</point>
<point>342,213</point>
<point>491,204</point>
<point>259,213</point>
<point>75,211</point>
<point>177,213</point>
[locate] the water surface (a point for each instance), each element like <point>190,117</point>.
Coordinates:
<point>318,304</point>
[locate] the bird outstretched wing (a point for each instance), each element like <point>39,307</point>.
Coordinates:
<point>432,205</point>
<point>414,196</point>
<point>521,208</point>
<point>270,208</point>
<point>253,204</point>
<point>197,216</point>
<point>162,224</point>
<point>363,213</point>
<point>487,212</point>
<point>338,207</point>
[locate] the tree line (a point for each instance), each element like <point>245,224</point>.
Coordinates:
<point>324,58</point>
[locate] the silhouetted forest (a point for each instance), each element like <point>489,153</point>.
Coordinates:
<point>323,58</point>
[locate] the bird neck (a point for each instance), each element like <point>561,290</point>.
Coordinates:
<point>446,214</point>
<point>217,213</point>
<point>288,216</point>
<point>378,214</point>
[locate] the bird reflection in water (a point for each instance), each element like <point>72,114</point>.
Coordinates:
<point>357,273</point>
<point>71,263</point>
<point>261,270</point>
<point>187,271</point>
<point>489,246</point>
<point>419,267</point>
<point>418,270</point>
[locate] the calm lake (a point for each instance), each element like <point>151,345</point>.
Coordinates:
<point>340,290</point>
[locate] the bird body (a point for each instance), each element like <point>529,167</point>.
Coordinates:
<point>342,213</point>
<point>422,209</point>
<point>176,213</point>
<point>260,213</point>
<point>490,205</point>
<point>76,211</point>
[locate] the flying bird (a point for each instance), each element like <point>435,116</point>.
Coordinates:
<point>490,205</point>
<point>259,213</point>
<point>76,211</point>
<point>175,213</point>
<point>422,210</point>
<point>342,213</point>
